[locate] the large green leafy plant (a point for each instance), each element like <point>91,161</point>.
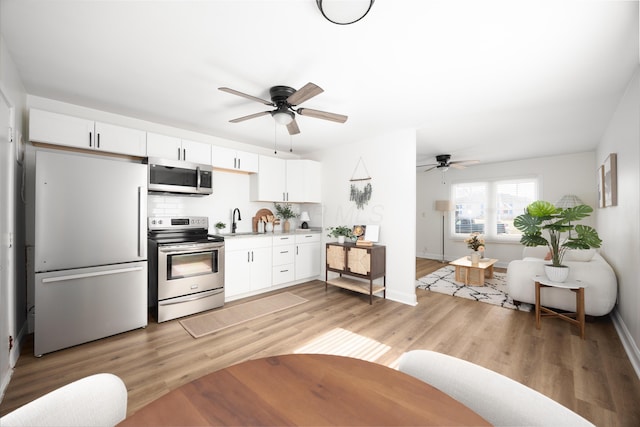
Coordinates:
<point>541,216</point>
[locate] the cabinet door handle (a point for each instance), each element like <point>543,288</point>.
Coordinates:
<point>284,252</point>
<point>251,256</point>
<point>296,250</point>
<point>90,138</point>
<point>234,163</point>
<point>283,271</point>
<point>98,140</point>
<point>179,154</point>
<point>248,256</point>
<point>283,197</point>
<point>184,154</point>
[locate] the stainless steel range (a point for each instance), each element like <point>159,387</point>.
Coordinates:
<point>186,267</point>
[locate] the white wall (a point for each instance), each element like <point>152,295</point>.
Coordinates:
<point>390,161</point>
<point>559,175</point>
<point>619,226</point>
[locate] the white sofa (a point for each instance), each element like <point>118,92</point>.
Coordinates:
<point>588,266</point>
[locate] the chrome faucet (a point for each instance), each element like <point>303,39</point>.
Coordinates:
<point>233,220</point>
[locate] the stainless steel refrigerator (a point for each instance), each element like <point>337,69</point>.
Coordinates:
<point>90,249</point>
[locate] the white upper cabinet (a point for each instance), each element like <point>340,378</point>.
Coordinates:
<point>173,148</point>
<point>270,183</point>
<point>293,181</point>
<point>228,158</point>
<point>60,129</point>
<point>117,139</point>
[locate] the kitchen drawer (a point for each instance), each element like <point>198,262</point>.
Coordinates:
<point>284,254</point>
<point>283,274</point>
<point>307,238</point>
<point>283,239</point>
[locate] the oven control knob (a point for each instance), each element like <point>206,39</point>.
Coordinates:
<point>159,221</point>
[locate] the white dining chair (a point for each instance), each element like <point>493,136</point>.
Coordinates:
<point>96,400</point>
<point>498,399</point>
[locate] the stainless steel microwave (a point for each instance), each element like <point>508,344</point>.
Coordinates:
<point>173,176</point>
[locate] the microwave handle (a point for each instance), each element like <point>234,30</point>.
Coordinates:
<point>198,178</point>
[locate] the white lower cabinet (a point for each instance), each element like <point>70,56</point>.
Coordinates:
<point>248,264</point>
<point>307,259</point>
<point>256,264</point>
<point>283,259</point>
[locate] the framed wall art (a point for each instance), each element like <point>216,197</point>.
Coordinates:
<point>610,181</point>
<point>601,186</point>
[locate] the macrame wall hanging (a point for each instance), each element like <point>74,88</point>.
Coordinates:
<point>360,185</point>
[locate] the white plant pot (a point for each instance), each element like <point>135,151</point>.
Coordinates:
<point>340,239</point>
<point>556,274</point>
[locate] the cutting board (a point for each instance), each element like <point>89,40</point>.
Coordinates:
<point>260,214</point>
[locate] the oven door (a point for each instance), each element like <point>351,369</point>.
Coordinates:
<point>185,269</point>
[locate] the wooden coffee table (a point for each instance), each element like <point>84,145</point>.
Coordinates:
<point>473,274</point>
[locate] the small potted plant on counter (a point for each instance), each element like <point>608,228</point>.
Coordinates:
<point>285,212</point>
<point>220,226</point>
<point>341,232</point>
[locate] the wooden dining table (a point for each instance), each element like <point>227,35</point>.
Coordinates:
<point>305,389</point>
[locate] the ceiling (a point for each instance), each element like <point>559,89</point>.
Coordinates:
<point>486,80</point>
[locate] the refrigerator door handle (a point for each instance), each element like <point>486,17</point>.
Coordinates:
<point>93,274</point>
<point>141,223</point>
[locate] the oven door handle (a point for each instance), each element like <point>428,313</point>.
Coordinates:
<point>188,298</point>
<point>191,249</point>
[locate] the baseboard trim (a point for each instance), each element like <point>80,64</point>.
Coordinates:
<point>627,341</point>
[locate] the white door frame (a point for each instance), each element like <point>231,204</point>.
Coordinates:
<point>8,354</point>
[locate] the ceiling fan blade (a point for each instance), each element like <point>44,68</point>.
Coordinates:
<point>431,168</point>
<point>339,118</point>
<point>306,92</point>
<point>250,116</point>
<point>244,95</point>
<point>457,165</point>
<point>428,164</point>
<point>465,162</point>
<point>293,128</point>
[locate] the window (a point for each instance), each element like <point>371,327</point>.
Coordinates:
<point>489,207</point>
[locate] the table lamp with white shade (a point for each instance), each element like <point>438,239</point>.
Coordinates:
<point>304,217</point>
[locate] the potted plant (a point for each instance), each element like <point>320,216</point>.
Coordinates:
<point>475,241</point>
<point>220,226</point>
<point>285,212</point>
<point>341,232</point>
<point>541,216</point>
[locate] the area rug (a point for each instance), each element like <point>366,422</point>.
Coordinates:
<point>493,292</point>
<point>217,320</point>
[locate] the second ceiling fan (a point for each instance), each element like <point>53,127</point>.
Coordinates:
<point>444,163</point>
<point>285,99</point>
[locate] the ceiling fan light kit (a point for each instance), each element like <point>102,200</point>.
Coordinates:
<point>285,98</point>
<point>344,12</point>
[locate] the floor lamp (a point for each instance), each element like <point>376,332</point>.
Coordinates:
<point>443,206</point>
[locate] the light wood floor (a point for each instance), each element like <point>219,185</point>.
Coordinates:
<point>593,377</point>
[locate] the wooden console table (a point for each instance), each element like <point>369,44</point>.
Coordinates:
<point>364,262</point>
